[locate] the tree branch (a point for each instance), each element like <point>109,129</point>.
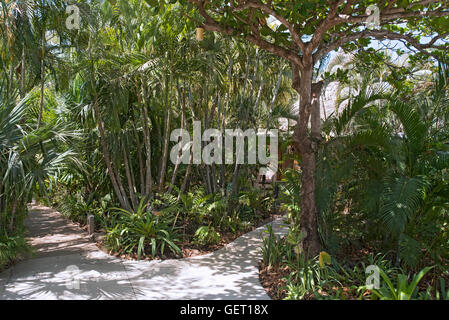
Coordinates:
<point>213,25</point>
<point>382,35</point>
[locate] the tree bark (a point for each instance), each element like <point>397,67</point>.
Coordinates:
<point>147,142</point>
<point>141,166</point>
<point>41,108</point>
<point>165,151</point>
<point>23,74</point>
<point>13,214</point>
<point>175,171</point>
<point>315,121</point>
<point>307,147</point>
<point>186,178</point>
<point>163,166</point>
<point>131,185</point>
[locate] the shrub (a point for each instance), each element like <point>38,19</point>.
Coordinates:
<point>12,247</point>
<point>273,248</point>
<point>206,235</point>
<point>137,231</point>
<point>402,290</point>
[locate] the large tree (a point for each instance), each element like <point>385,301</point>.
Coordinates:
<point>304,32</point>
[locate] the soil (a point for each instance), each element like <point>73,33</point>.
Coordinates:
<point>273,280</point>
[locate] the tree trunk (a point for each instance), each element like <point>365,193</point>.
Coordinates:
<point>22,74</point>
<point>213,176</point>
<point>315,121</point>
<point>165,151</point>
<point>141,166</point>
<point>186,178</point>
<point>175,171</point>
<point>121,197</point>
<point>307,147</point>
<point>131,185</point>
<point>41,108</point>
<point>163,166</point>
<point>1,205</point>
<point>147,142</point>
<point>13,214</point>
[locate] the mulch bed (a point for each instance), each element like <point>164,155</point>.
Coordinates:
<point>273,280</point>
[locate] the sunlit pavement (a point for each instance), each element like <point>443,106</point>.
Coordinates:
<point>69,266</point>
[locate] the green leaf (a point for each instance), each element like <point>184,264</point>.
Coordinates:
<point>141,247</point>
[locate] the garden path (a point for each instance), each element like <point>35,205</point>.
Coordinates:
<point>68,265</point>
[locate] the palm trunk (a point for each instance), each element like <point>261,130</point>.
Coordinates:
<point>121,196</point>
<point>186,178</point>
<point>175,171</point>
<point>223,164</point>
<point>131,185</point>
<point>41,108</point>
<point>234,188</point>
<point>205,168</point>
<point>13,214</point>
<point>166,138</point>
<point>147,142</point>
<point>159,140</point>
<point>22,74</point>
<point>141,166</point>
<point>214,178</point>
<point>1,205</point>
<point>10,79</point>
<point>202,172</point>
<point>120,185</point>
<point>165,151</point>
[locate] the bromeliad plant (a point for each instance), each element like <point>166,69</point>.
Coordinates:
<point>142,232</point>
<point>403,290</point>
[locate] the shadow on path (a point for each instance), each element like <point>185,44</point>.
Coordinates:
<point>69,266</point>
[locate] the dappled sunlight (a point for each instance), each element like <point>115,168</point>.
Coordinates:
<point>77,269</point>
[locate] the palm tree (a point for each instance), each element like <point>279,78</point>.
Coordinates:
<point>394,150</point>
<point>22,165</point>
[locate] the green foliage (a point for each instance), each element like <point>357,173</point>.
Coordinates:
<point>254,205</point>
<point>12,247</point>
<point>381,171</point>
<point>206,235</point>
<point>403,290</point>
<point>443,294</point>
<point>108,95</point>
<point>306,278</point>
<point>141,232</point>
<point>273,248</point>
<point>380,178</point>
<point>290,193</point>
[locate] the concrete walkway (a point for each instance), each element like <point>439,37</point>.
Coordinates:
<point>69,266</point>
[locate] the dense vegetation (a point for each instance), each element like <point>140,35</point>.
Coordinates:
<point>86,117</point>
<point>383,199</point>
<point>99,111</point>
